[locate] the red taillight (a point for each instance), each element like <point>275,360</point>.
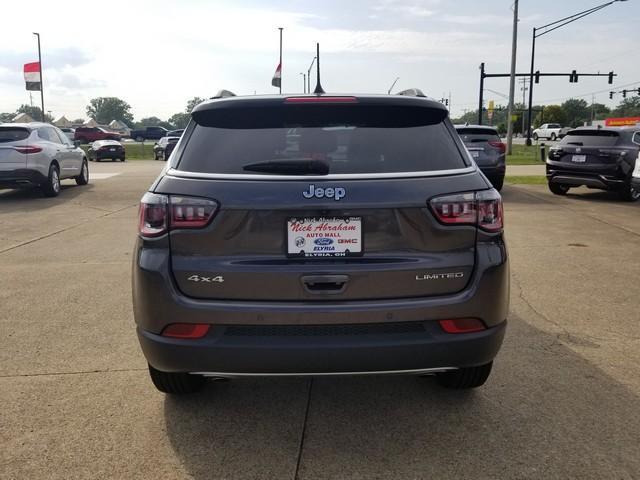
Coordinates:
<point>321,99</point>
<point>188,212</point>
<point>27,149</point>
<point>483,209</point>
<point>498,144</point>
<point>160,213</point>
<point>186,330</point>
<point>462,325</point>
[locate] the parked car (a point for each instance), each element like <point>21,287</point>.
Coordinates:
<point>39,154</point>
<point>160,148</point>
<point>175,133</point>
<point>603,158</point>
<point>91,134</point>
<point>103,149</point>
<point>329,235</point>
<point>487,150</point>
<point>69,132</point>
<point>547,130</point>
<point>148,133</point>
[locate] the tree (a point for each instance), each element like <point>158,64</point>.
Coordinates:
<point>628,107</point>
<point>550,114</point>
<point>576,111</point>
<point>153,122</point>
<point>33,112</point>
<point>106,109</point>
<point>600,111</point>
<point>179,120</point>
<point>192,103</point>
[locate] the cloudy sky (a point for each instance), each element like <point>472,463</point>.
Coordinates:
<point>158,54</point>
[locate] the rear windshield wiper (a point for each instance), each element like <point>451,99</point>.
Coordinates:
<point>290,167</point>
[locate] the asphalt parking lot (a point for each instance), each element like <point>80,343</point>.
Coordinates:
<point>562,402</point>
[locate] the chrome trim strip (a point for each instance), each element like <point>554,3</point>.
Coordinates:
<point>417,371</point>
<point>345,176</point>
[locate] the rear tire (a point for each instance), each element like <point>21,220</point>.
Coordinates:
<point>629,193</point>
<point>497,183</point>
<point>558,188</point>
<point>175,383</point>
<point>83,178</point>
<point>470,377</point>
<point>52,186</point>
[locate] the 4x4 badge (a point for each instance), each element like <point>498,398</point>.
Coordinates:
<point>330,192</point>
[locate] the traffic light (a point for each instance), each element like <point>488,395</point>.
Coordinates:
<point>624,94</point>
<point>638,90</point>
<point>610,78</point>
<point>610,95</point>
<point>537,76</point>
<point>573,77</point>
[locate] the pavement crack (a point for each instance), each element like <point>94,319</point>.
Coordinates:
<point>304,431</point>
<point>62,230</point>
<point>80,372</point>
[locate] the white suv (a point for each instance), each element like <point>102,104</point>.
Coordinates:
<point>547,130</point>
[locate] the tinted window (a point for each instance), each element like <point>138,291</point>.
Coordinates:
<point>477,135</point>
<point>591,138</point>
<point>12,134</point>
<point>346,149</point>
<point>49,134</point>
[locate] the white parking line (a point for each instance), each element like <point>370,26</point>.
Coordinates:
<point>102,176</point>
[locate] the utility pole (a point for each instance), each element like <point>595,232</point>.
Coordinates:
<point>304,82</point>
<point>44,119</point>
<point>280,87</point>
<point>512,78</point>
<point>480,101</point>
<point>524,89</point>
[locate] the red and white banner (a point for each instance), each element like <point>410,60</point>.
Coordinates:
<point>277,76</point>
<point>32,76</point>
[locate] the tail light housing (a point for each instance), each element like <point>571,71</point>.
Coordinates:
<point>482,209</point>
<point>28,149</point>
<point>161,213</point>
<point>498,144</point>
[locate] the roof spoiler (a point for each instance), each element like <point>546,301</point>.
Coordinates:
<point>223,94</point>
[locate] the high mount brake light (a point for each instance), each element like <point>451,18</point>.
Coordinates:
<point>498,144</point>
<point>27,149</point>
<point>482,209</point>
<point>321,99</point>
<point>161,213</point>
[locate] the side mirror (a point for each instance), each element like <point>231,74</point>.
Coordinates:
<point>77,143</point>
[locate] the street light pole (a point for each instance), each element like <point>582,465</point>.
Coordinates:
<point>280,87</point>
<point>512,78</point>
<point>44,119</point>
<point>304,82</point>
<point>548,28</point>
<point>309,75</point>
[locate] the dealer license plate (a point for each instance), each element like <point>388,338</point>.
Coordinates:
<point>579,158</point>
<point>112,149</point>
<point>324,237</point>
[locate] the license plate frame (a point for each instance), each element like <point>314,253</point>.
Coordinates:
<point>324,237</point>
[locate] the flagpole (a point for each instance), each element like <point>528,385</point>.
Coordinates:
<point>41,77</point>
<point>280,87</point>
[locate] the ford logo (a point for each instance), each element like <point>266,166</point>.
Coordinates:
<point>323,241</point>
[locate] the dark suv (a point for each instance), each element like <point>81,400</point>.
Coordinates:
<point>602,158</point>
<point>320,235</point>
<point>487,150</point>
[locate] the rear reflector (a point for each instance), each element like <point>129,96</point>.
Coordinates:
<point>27,149</point>
<point>462,325</point>
<point>321,99</point>
<point>186,330</point>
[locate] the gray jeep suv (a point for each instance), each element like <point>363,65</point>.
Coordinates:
<point>320,235</point>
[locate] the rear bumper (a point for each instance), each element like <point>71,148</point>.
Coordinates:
<point>110,155</point>
<point>610,178</point>
<point>240,351</point>
<point>21,177</point>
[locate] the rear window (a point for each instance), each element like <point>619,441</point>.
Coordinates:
<point>13,134</point>
<point>351,140</point>
<point>591,138</point>
<point>476,135</point>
